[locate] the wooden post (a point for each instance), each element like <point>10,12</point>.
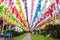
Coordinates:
<point>3,26</point>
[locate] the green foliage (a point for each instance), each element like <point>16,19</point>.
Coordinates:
<point>15,33</point>
<point>7,30</point>
<point>54,30</point>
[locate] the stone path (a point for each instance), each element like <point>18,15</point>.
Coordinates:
<point>1,38</point>
<point>27,37</point>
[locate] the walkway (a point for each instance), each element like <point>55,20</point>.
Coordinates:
<point>27,37</point>
<point>1,38</point>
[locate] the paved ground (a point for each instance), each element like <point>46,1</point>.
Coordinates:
<point>5,39</point>
<point>27,37</point>
<point>1,38</point>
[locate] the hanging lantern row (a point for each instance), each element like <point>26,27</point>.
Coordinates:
<point>10,18</point>
<point>16,13</point>
<point>47,13</point>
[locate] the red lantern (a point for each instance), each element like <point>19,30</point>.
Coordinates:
<point>57,1</point>
<point>52,6</point>
<point>13,10</point>
<point>50,11</point>
<point>41,19</point>
<point>2,0</point>
<point>16,12</point>
<point>46,14</point>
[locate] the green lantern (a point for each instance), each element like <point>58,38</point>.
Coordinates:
<point>1,8</point>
